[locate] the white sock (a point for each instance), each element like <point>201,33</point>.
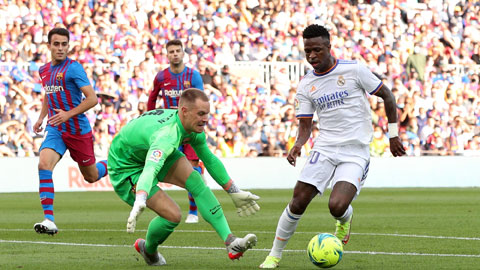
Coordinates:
<point>346,216</point>
<point>287,224</point>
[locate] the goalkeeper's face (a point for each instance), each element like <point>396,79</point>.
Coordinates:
<point>196,116</point>
<point>58,47</point>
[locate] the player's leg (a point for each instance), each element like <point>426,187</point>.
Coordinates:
<point>51,152</point>
<point>160,227</point>
<point>313,180</point>
<point>190,154</point>
<point>182,174</point>
<point>303,194</point>
<point>347,183</point>
<point>94,172</point>
<point>81,151</point>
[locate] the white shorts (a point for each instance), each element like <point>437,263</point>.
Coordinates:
<point>331,164</point>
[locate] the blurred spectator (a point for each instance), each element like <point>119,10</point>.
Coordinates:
<point>426,51</point>
<point>380,144</point>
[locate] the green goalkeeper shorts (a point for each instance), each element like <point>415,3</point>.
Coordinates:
<point>125,187</point>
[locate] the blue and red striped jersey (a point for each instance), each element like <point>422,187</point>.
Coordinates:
<point>62,85</point>
<point>170,86</point>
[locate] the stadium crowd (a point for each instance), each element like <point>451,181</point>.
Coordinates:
<point>411,46</point>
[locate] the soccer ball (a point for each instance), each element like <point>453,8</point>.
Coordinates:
<point>325,250</point>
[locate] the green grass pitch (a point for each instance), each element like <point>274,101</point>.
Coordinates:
<point>392,229</point>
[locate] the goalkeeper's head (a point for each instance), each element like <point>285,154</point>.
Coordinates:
<point>193,110</point>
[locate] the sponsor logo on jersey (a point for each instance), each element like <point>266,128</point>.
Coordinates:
<point>156,156</point>
<point>173,93</point>
<point>328,101</point>
<point>50,89</point>
<point>313,88</point>
<point>340,81</point>
<point>60,76</point>
<point>296,104</point>
<point>186,84</point>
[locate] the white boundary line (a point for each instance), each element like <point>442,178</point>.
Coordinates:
<point>255,249</point>
<point>265,232</point>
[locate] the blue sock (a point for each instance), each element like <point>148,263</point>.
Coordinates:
<point>102,168</point>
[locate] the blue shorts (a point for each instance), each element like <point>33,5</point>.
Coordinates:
<point>80,146</point>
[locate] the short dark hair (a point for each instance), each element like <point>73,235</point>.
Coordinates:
<point>175,42</point>
<point>58,31</point>
<point>191,95</point>
<point>315,30</point>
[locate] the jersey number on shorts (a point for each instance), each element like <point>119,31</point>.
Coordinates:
<point>314,157</point>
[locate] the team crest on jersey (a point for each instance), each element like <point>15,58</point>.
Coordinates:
<point>296,104</point>
<point>155,156</point>
<point>186,84</point>
<point>59,76</point>
<point>341,80</point>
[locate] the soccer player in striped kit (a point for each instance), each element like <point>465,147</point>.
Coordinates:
<point>64,80</point>
<point>170,83</point>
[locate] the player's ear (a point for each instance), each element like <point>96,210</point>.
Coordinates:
<point>183,109</point>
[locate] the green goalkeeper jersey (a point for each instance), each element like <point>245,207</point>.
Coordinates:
<point>143,145</point>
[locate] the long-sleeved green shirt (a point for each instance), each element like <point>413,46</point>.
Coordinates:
<point>144,144</point>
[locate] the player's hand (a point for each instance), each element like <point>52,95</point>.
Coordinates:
<point>37,127</point>
<point>246,202</point>
<point>396,147</point>
<point>59,118</point>
<point>134,214</point>
<point>295,152</point>
<point>138,206</point>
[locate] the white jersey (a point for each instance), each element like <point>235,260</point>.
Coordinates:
<point>339,96</point>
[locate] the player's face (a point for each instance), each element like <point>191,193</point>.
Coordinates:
<point>317,52</point>
<point>58,47</point>
<point>197,116</point>
<point>175,54</point>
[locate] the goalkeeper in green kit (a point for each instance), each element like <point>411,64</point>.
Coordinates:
<point>145,152</point>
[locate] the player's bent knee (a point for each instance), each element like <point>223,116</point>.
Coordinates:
<point>44,165</point>
<point>174,216</point>
<point>90,179</point>
<point>298,206</point>
<point>89,173</point>
<point>173,213</point>
<point>337,207</point>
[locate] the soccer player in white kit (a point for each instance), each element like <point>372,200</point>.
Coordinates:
<point>337,90</point>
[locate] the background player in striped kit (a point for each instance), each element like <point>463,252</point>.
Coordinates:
<point>169,84</point>
<point>64,80</point>
<point>337,91</point>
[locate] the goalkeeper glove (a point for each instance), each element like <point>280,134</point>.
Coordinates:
<point>138,206</point>
<point>245,202</point>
